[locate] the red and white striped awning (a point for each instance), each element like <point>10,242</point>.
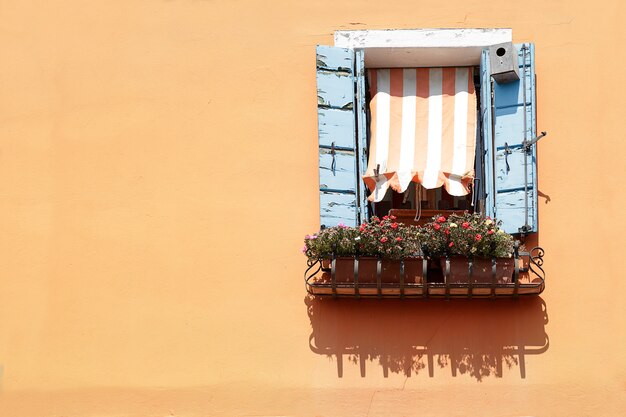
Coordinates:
<point>423,129</point>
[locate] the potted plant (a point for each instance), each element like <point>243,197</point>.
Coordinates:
<point>467,237</point>
<point>383,240</point>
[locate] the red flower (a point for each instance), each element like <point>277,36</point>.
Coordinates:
<point>383,239</point>
<point>436,226</point>
<point>441,219</point>
<point>385,217</point>
<point>447,231</point>
<point>392,217</point>
<point>490,232</point>
<point>362,228</point>
<point>465,225</point>
<point>398,239</point>
<point>451,244</point>
<point>479,236</point>
<point>394,225</point>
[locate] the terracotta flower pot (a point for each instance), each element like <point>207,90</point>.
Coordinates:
<point>325,265</point>
<point>481,270</point>
<point>390,271</point>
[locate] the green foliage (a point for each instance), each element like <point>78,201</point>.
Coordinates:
<point>388,239</point>
<point>378,237</point>
<point>340,239</point>
<point>466,234</point>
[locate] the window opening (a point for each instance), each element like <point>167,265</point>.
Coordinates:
<point>433,201</point>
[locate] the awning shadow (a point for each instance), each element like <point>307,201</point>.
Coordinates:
<point>474,337</point>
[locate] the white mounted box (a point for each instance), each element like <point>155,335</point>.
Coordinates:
<point>503,63</point>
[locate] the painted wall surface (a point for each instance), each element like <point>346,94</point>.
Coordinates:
<point>158,170</point>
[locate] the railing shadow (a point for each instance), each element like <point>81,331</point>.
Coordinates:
<point>473,337</point>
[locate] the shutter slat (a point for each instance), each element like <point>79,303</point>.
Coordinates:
<point>336,125</point>
<point>335,89</point>
<point>337,208</point>
<point>509,127</point>
<point>342,177</point>
<point>513,97</point>
<point>513,178</point>
<point>510,209</point>
<point>335,59</point>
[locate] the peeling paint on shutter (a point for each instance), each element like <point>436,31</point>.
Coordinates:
<point>513,169</point>
<point>338,154</point>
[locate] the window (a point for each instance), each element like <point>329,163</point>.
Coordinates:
<point>505,164</point>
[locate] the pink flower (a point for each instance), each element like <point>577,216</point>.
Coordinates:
<point>398,239</point>
<point>436,226</point>
<point>304,249</point>
<point>392,217</point>
<point>394,225</point>
<point>478,237</point>
<point>385,217</point>
<point>465,225</point>
<point>383,239</point>
<point>362,227</point>
<point>441,219</point>
<point>490,232</point>
<point>451,244</point>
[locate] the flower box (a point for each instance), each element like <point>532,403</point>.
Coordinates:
<point>463,255</point>
<point>390,271</point>
<point>481,272</point>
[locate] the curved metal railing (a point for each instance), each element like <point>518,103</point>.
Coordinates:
<point>533,272</point>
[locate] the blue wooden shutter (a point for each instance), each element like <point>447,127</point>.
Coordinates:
<point>509,117</point>
<point>486,120</point>
<point>341,188</point>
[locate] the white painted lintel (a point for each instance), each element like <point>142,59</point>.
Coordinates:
<point>421,47</point>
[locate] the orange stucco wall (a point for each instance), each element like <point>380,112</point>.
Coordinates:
<point>158,169</point>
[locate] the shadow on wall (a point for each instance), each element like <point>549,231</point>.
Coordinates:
<point>473,337</point>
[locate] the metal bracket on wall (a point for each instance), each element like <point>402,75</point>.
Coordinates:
<point>528,143</point>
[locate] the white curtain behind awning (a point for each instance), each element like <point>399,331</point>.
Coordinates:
<point>423,129</point>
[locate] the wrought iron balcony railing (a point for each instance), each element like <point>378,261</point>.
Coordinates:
<point>527,278</point>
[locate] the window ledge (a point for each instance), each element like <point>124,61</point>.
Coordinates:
<point>422,47</point>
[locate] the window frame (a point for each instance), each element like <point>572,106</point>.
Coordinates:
<point>406,48</point>
<point>511,191</point>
